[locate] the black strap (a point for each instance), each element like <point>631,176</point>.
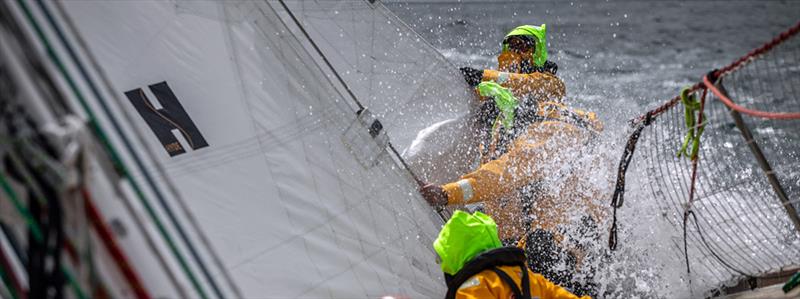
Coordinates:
<point>619,190</point>
<point>510,282</point>
<point>504,256</point>
<point>526,285</point>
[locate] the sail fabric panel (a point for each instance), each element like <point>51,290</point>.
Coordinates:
<point>390,68</point>
<point>285,202</point>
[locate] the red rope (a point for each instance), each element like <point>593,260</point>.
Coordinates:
<point>113,248</point>
<point>726,70</point>
<point>757,113</point>
<point>760,50</point>
<point>697,155</point>
<point>666,106</point>
<point>16,285</point>
<point>695,161</point>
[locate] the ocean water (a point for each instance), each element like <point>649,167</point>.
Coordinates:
<point>620,58</point>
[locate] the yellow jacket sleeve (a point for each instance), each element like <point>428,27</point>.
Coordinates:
<point>488,285</point>
<point>542,86</point>
<point>521,165</point>
<point>546,289</point>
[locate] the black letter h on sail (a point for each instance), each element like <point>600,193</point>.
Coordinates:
<point>171,117</point>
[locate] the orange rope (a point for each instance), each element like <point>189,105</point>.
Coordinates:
<point>757,113</point>
<point>726,70</point>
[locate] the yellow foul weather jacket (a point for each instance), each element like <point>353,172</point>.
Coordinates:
<point>528,159</point>
<point>488,284</point>
<point>476,266</point>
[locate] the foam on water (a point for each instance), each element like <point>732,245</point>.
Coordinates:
<point>618,59</point>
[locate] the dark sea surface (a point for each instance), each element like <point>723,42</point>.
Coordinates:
<point>611,54</point>
<point>621,58</point>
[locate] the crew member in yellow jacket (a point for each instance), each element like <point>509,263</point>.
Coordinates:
<point>528,137</point>
<point>477,266</point>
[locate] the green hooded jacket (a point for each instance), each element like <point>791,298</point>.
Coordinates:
<point>463,237</point>
<point>537,32</point>
<point>503,98</point>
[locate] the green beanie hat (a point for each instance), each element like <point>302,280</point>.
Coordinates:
<point>463,237</point>
<point>539,33</point>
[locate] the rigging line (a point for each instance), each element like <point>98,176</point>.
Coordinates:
<point>20,207</point>
<point>713,253</point>
<point>7,284</point>
<point>111,245</point>
<point>343,212</point>
<point>48,206</point>
<point>107,142</point>
<point>268,137</point>
<point>7,273</point>
<point>245,149</point>
<point>113,157</point>
<point>386,12</point>
<point>24,173</point>
<point>322,55</point>
<point>104,166</point>
<point>659,147</point>
<point>721,211</point>
<point>737,118</point>
<point>33,225</point>
<point>752,112</point>
<point>346,87</point>
<point>178,227</point>
<point>725,211</point>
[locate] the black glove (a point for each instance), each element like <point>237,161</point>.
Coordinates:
<point>472,76</point>
<point>434,195</point>
<point>550,67</point>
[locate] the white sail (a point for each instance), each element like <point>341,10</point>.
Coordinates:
<point>274,186</point>
<point>399,76</point>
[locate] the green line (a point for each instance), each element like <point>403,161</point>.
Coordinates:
<point>76,288</point>
<point>112,151</point>
<point>21,208</point>
<point>34,227</point>
<point>26,176</point>
<point>7,283</point>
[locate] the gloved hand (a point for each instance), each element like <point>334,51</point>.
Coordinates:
<point>550,67</point>
<point>434,195</point>
<point>472,76</point>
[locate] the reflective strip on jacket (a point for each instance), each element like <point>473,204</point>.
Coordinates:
<point>535,154</point>
<point>488,284</point>
<point>526,160</point>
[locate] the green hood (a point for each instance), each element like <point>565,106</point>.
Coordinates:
<point>463,237</point>
<point>537,32</point>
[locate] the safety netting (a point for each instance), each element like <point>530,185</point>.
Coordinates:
<point>722,163</point>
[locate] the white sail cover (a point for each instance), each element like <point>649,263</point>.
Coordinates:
<point>295,195</point>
